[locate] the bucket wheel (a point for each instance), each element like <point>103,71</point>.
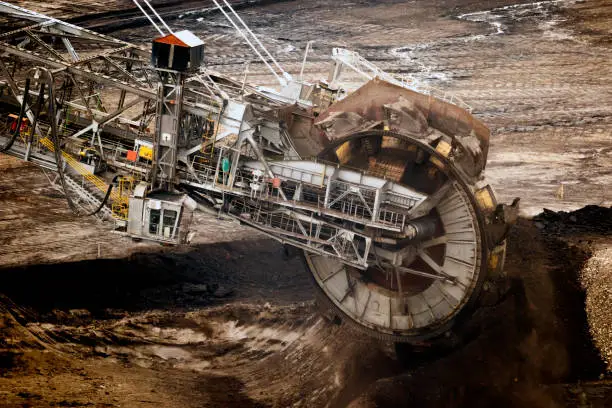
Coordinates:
<point>421,282</point>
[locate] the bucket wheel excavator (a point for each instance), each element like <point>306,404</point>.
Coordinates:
<point>450,247</point>
<point>378,181</point>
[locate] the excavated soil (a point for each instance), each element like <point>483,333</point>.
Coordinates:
<point>89,318</point>
<point>234,324</point>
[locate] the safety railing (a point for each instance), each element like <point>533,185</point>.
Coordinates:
<point>81,170</point>
<point>314,235</point>
<point>392,198</point>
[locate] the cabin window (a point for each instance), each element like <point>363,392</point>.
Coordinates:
<point>169,221</point>
<point>154,218</point>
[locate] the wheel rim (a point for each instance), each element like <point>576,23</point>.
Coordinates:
<point>436,279</point>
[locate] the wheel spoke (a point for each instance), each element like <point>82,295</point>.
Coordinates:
<point>425,206</point>
<point>424,274</point>
<point>401,298</point>
<point>434,265</point>
<point>429,261</point>
<point>435,241</point>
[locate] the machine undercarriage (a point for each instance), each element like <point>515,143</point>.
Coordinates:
<point>381,185</point>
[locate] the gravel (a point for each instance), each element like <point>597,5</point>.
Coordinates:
<point>591,225</point>
<point>597,281</point>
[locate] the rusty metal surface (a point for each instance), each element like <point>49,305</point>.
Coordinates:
<point>367,104</point>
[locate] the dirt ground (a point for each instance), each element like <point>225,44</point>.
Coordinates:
<point>234,324</point>
<point>230,321</point>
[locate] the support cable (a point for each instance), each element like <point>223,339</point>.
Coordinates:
<point>148,17</point>
<point>58,151</point>
<point>22,111</point>
<point>40,104</point>
<point>158,16</point>
<point>282,81</point>
<point>246,27</point>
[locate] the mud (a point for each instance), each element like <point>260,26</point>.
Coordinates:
<point>533,349</point>
<point>589,229</point>
<point>237,320</point>
<point>236,323</point>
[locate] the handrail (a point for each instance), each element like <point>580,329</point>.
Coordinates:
<point>79,168</point>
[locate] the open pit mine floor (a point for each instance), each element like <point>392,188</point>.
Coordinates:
<point>90,318</point>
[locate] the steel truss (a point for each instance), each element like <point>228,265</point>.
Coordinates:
<point>391,258</point>
<point>107,87</point>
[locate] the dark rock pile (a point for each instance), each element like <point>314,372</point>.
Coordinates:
<point>590,219</point>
